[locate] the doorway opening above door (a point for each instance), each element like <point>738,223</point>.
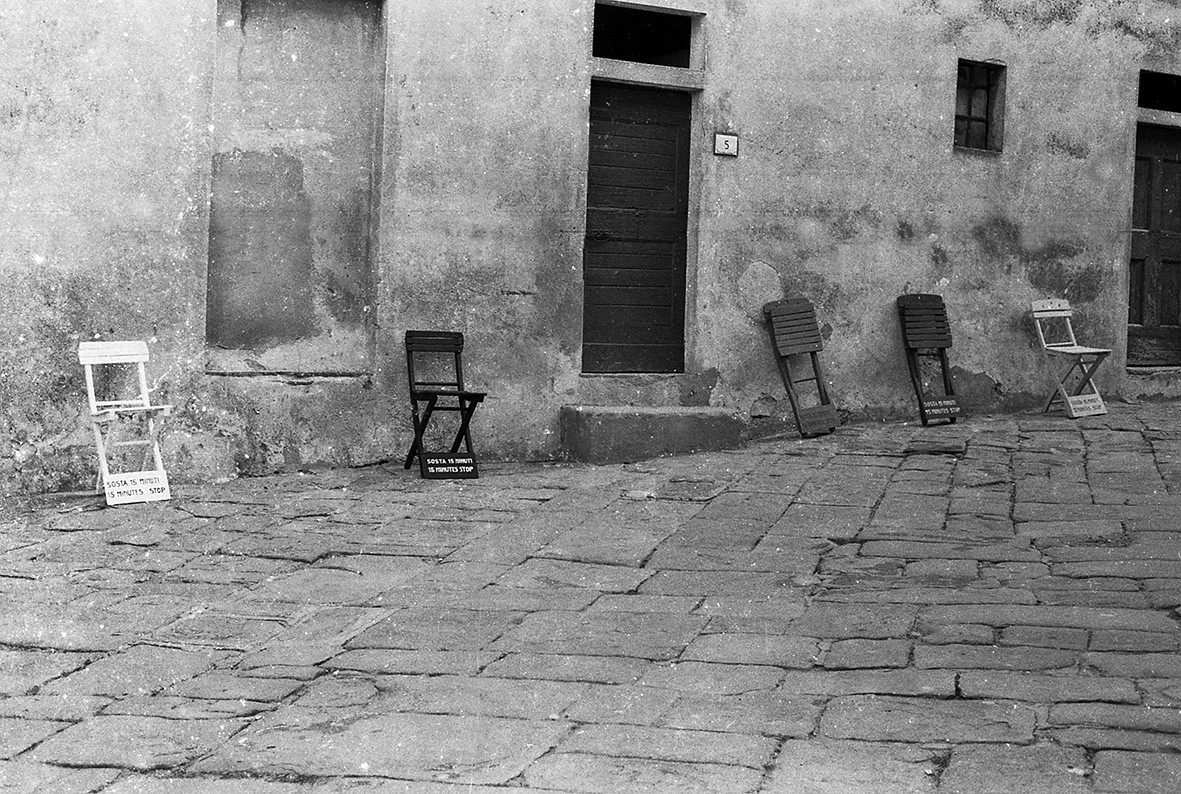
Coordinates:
<point>642,36</point>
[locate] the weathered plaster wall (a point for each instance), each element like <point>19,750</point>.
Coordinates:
<point>103,180</point>
<point>847,189</point>
<point>483,202</point>
<point>298,89</point>
<point>296,103</point>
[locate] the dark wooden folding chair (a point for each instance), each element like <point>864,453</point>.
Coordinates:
<point>1055,332</point>
<point>926,335</point>
<point>795,336</point>
<point>434,366</point>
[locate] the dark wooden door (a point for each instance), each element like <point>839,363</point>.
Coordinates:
<point>636,216</point>
<point>1154,294</point>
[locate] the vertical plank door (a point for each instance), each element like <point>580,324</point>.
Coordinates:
<point>1154,283</point>
<point>636,219</point>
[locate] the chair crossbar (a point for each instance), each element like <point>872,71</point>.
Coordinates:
<point>426,347</point>
<point>444,393</point>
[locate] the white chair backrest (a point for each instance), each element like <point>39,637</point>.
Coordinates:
<point>134,353</point>
<point>1050,315</point>
<point>129,352</point>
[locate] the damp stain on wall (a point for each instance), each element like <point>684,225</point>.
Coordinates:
<point>1055,269</point>
<point>940,261</point>
<point>998,239</point>
<point>1059,267</point>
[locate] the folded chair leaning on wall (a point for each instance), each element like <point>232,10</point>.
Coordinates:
<point>796,339</point>
<point>926,335</point>
<point>124,417</point>
<point>1055,332</point>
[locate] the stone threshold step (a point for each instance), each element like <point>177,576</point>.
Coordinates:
<point>618,434</point>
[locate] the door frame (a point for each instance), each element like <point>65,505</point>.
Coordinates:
<point>1153,118</point>
<point>642,111</point>
<point>691,81</point>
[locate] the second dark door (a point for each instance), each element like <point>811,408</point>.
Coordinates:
<point>636,221</point>
<point>1154,299</point>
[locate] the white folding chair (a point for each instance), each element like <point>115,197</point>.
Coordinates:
<point>124,417</point>
<point>1055,332</point>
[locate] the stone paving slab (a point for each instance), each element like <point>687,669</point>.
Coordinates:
<point>838,767</point>
<point>568,667</point>
<point>985,607</point>
<point>897,719</point>
<point>18,735</point>
<point>140,670</point>
<point>1004,685</point>
<point>1138,773</point>
<point>583,772</point>
<point>1004,769</point>
<point>30,777</point>
<point>22,670</point>
<point>772,714</point>
<point>437,628</point>
<point>141,743</point>
<point>676,744</point>
<point>438,747</point>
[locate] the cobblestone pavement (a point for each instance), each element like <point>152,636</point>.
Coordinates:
<point>984,607</point>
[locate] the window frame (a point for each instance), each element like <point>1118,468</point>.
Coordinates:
<point>979,106</point>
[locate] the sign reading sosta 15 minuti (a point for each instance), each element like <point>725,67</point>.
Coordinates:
<point>448,466</point>
<point>136,486</point>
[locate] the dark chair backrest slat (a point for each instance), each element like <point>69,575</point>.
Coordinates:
<point>793,323</point>
<point>435,341</point>
<point>924,321</point>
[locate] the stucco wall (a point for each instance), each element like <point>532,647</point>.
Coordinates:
<point>103,212</point>
<point>850,191</point>
<point>483,202</point>
<point>847,189</point>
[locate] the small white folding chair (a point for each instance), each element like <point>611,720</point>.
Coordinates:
<point>1055,332</point>
<point>124,417</point>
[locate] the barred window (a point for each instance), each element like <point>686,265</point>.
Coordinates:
<point>979,105</point>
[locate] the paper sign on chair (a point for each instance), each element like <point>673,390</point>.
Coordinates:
<point>136,486</point>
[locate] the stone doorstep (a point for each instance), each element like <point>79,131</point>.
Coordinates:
<point>617,434</point>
